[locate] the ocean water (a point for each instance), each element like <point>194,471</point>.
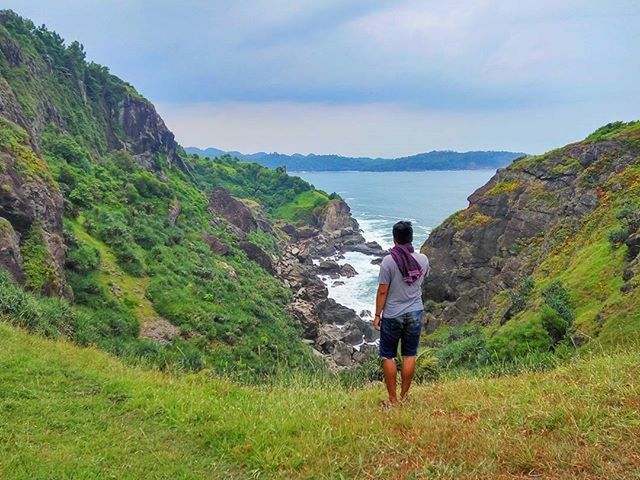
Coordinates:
<point>380,199</point>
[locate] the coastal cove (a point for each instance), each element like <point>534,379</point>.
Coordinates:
<point>377,201</point>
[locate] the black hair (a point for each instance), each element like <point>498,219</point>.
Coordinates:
<point>403,232</point>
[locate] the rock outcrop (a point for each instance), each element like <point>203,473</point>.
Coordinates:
<point>334,330</point>
<point>337,332</point>
<point>336,218</point>
<point>215,244</point>
<point>10,257</point>
<point>223,205</point>
<point>174,212</point>
<point>146,135</point>
<point>121,118</point>
<point>257,254</point>
<point>29,200</point>
<point>510,226</point>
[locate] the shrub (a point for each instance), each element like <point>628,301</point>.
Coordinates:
<point>555,325</point>
<point>149,186</point>
<point>463,348</point>
<point>517,339</point>
<point>503,186</point>
<point>66,148</point>
<point>123,161</point>
<point>556,296</point>
<point>83,258</point>
<point>609,130</point>
<point>37,263</point>
<point>427,367</point>
<point>617,237</point>
<point>520,295</point>
<point>130,259</point>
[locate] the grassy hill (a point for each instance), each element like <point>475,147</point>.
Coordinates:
<point>70,412</point>
<point>100,206</point>
<point>107,231</point>
<point>545,258</point>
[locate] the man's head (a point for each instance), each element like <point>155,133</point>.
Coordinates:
<point>402,233</point>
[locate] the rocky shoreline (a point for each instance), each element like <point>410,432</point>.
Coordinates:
<point>336,333</point>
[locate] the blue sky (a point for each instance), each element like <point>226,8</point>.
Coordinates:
<point>370,77</point>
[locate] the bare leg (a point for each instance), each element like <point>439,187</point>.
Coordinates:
<point>390,370</point>
<point>408,369</point>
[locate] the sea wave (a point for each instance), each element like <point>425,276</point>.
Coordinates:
<point>358,292</point>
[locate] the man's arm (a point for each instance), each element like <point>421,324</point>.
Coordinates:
<point>381,299</point>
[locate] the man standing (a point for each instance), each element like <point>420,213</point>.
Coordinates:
<point>399,309</point>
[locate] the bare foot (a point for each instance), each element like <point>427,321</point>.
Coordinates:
<point>387,404</point>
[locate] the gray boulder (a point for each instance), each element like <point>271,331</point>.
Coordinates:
<point>255,253</point>
<point>215,244</point>
<point>342,354</point>
<point>222,204</point>
<point>348,271</point>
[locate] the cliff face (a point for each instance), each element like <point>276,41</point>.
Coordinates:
<point>59,90</point>
<point>145,133</point>
<point>525,218</point>
<point>31,206</point>
<point>100,205</point>
<point>46,87</point>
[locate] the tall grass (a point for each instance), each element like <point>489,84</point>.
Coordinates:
<point>76,412</point>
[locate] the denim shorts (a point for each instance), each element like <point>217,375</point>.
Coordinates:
<point>405,330</point>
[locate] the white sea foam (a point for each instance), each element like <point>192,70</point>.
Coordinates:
<point>357,292</point>
<point>426,198</point>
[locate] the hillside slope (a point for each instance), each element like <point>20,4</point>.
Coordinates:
<point>158,255</point>
<point>71,412</point>
<point>546,254</point>
<point>434,160</point>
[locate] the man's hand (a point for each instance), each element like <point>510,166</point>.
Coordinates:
<point>381,299</point>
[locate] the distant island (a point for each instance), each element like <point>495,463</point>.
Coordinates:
<point>434,160</point>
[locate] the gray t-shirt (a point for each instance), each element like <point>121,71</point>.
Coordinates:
<point>402,297</point>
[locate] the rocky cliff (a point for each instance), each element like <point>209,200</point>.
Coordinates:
<point>98,199</point>
<point>533,220</point>
<point>31,207</point>
<point>59,90</point>
<point>336,332</point>
<point>46,87</point>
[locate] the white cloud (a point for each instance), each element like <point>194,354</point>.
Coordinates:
<point>377,77</point>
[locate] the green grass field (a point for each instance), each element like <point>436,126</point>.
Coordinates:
<point>70,412</point>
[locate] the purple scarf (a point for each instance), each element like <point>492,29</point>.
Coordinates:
<point>409,267</point>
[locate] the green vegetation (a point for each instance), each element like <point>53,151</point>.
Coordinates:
<point>303,207</point>
<point>72,412</point>
<point>469,217</point>
<point>37,265</point>
<point>126,260</point>
<point>15,141</point>
<point>230,310</point>
<point>283,196</point>
<point>612,129</point>
<point>502,187</point>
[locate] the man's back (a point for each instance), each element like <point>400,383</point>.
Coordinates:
<point>402,297</point>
